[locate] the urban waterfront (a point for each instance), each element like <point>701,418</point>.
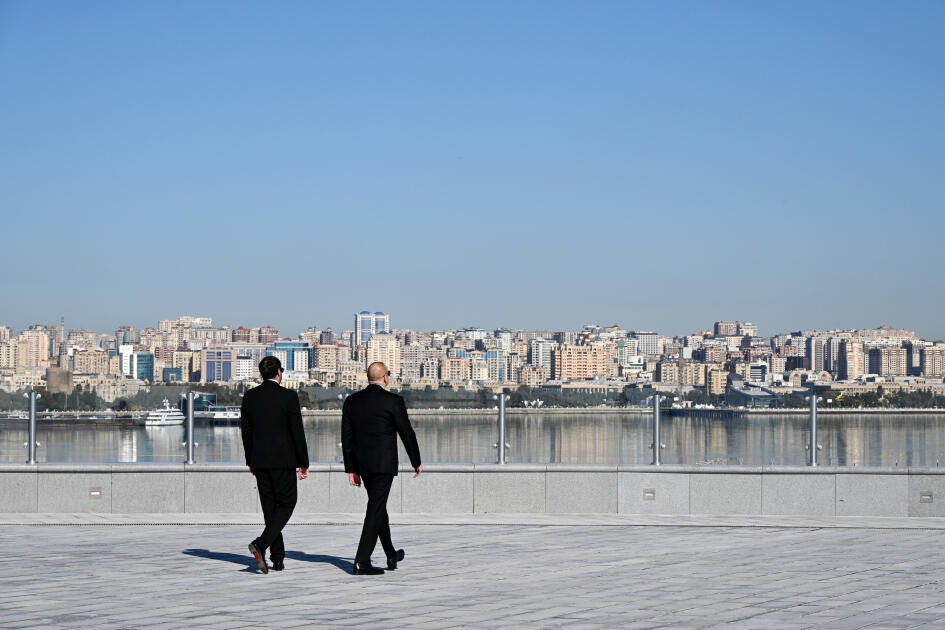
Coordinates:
<point>853,439</point>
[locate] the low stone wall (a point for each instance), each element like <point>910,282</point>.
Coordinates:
<point>468,488</point>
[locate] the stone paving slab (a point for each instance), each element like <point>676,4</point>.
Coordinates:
<point>577,520</point>
<point>543,573</point>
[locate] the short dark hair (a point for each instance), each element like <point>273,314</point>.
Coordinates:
<point>269,367</point>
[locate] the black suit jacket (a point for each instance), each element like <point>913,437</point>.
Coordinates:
<point>371,420</point>
<point>271,424</point>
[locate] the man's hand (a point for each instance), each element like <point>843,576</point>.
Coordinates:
<point>303,473</point>
<point>419,470</point>
<point>354,479</point>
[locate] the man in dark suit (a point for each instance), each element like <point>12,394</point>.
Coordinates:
<point>274,443</point>
<point>371,420</point>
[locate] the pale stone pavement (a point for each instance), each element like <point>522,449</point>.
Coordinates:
<point>468,572</point>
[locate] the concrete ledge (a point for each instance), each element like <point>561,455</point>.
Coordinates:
<point>463,488</point>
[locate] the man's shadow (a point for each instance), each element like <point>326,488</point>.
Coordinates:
<point>250,566</point>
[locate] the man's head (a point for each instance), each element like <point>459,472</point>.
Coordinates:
<point>378,374</point>
<point>271,368</point>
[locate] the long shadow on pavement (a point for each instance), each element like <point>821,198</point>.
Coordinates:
<point>245,560</point>
<point>250,566</point>
<point>344,564</point>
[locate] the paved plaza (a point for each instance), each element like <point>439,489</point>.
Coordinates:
<point>69,571</point>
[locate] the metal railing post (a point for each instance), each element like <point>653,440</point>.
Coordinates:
<point>190,427</point>
<point>501,444</point>
<point>31,445</point>
<point>657,460</point>
<point>813,427</point>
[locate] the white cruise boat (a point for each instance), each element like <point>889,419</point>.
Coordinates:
<point>168,416</point>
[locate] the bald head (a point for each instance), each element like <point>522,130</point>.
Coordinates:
<point>376,372</point>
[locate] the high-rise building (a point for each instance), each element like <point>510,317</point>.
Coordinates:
<point>932,360</point>
<point>852,362</point>
<point>267,335</point>
<point>539,354</point>
<point>725,329</point>
<point>142,366</point>
<point>579,362</point>
<point>497,360</point>
<point>327,337</point>
<point>32,348</point>
<point>887,361</point>
<point>384,347</point>
<point>746,329</point>
<point>648,343</point>
<point>127,335</point>
<point>217,364</point>
<point>241,335</point>
<point>289,351</point>
<point>367,324</point>
<point>8,353</point>
<point>815,351</point>
<point>91,361</point>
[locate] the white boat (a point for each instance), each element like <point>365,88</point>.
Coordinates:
<point>219,413</point>
<point>168,416</point>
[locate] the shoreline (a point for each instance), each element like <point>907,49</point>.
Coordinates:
<point>517,412</point>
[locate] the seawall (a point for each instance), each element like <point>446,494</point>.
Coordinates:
<point>480,489</point>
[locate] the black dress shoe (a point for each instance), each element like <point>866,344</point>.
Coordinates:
<point>278,566</point>
<point>366,568</point>
<point>393,560</point>
<point>259,557</point>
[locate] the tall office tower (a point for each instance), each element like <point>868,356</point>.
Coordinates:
<point>367,324</point>
<point>539,353</point>
<point>5,333</point>
<point>815,351</point>
<point>142,366</point>
<point>32,348</point>
<point>217,365</point>
<point>725,329</point>
<point>852,362</point>
<point>647,342</point>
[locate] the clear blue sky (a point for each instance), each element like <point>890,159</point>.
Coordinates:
<point>659,165</point>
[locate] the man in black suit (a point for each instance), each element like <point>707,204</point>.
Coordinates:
<point>274,443</point>
<point>371,420</point>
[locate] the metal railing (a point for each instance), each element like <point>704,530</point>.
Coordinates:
<point>501,445</point>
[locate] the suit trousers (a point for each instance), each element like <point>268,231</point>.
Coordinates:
<point>376,521</point>
<point>278,494</point>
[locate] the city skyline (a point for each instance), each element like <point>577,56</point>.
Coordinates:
<point>292,333</point>
<point>518,164</point>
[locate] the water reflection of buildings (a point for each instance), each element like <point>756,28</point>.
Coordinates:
<point>768,439</point>
<point>128,446</point>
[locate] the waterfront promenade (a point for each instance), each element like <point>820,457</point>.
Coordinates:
<point>476,571</point>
